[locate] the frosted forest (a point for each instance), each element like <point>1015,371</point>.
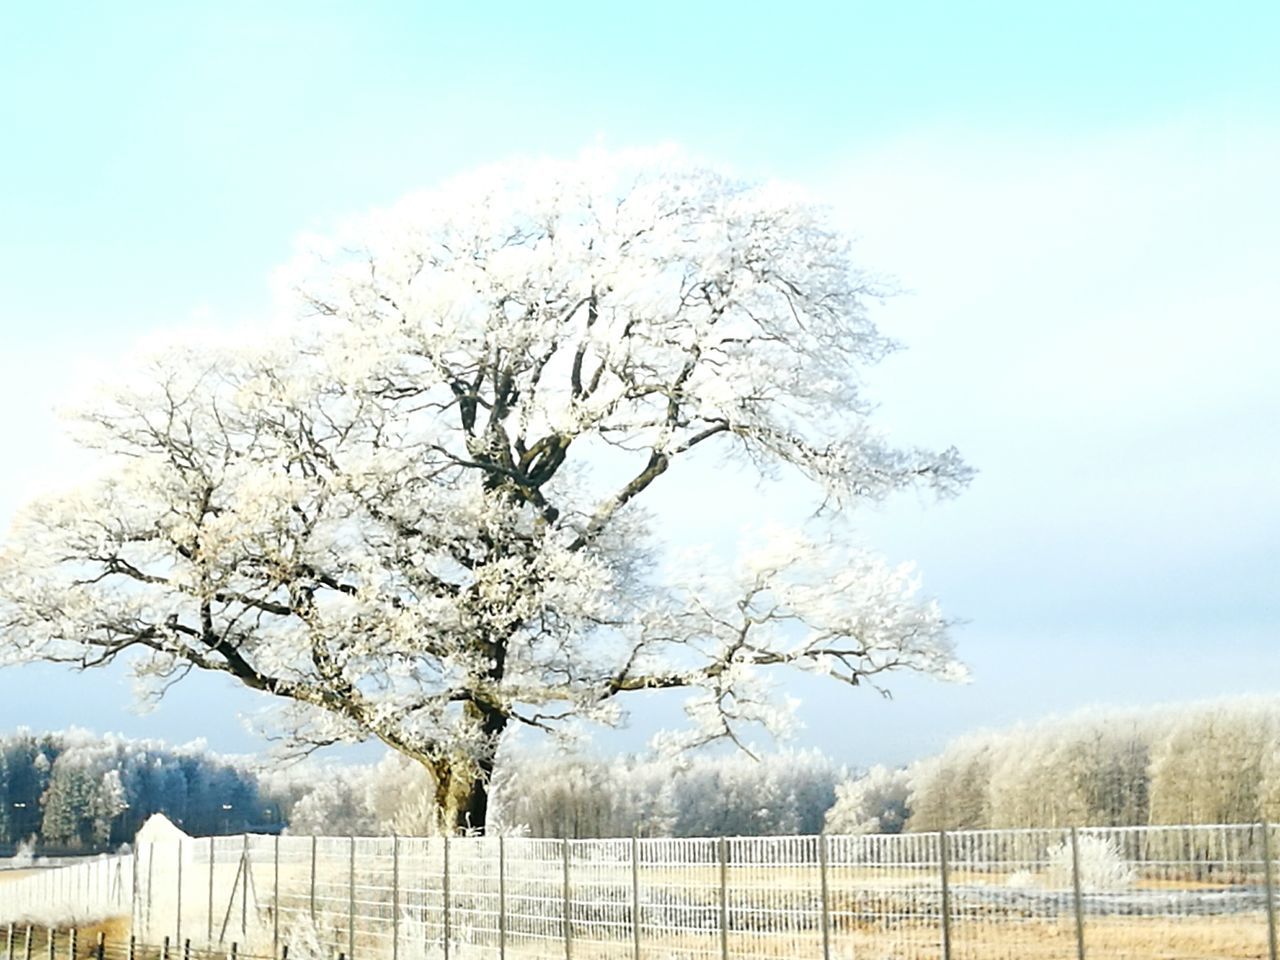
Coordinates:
<point>1208,762</point>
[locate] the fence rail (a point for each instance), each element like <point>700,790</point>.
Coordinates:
<point>1173,892</point>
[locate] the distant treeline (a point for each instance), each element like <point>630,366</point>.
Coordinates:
<point>1199,763</point>
<point>78,792</point>
<point>776,794</point>
<point>1214,762</point>
<point>546,794</point>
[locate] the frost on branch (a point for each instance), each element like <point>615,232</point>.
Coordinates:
<point>818,606</point>
<point>418,513</point>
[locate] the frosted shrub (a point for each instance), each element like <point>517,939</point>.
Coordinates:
<point>1102,865</point>
<point>25,855</point>
<point>1020,880</point>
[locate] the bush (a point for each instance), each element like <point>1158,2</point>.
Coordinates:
<point>25,855</point>
<point>1020,880</point>
<point>1103,867</point>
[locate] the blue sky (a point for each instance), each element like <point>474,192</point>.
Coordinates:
<point>1081,198</point>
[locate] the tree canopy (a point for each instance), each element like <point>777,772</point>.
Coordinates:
<point>415,511</point>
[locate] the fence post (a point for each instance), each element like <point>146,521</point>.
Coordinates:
<point>177,917</point>
<point>275,897</point>
<point>946,895</point>
<point>502,898</point>
<point>351,900</point>
<point>100,951</point>
<point>635,897</point>
<point>213,856</point>
<point>313,879</point>
<point>1269,876</point>
<point>133,947</point>
<point>246,878</point>
<point>151,862</point>
<point>568,916</point>
<point>26,946</point>
<point>133,887</point>
<point>164,949</point>
<point>722,854</point>
<point>8,942</point>
<point>50,942</point>
<point>444,898</point>
<point>824,883</point>
<point>71,944</point>
<point>1077,896</point>
<point>186,949</point>
<point>395,897</point>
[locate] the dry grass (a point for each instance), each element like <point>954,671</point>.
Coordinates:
<point>886,930</point>
<point>114,931</point>
<point>8,876</point>
<point>1191,938</point>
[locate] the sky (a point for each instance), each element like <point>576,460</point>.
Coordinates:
<point>1080,201</point>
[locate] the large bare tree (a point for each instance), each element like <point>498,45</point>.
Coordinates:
<point>415,512</point>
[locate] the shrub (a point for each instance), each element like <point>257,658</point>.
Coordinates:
<point>1102,865</point>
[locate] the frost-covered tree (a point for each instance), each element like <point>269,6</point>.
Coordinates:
<point>334,805</point>
<point>1208,762</point>
<point>952,790</point>
<point>28,767</point>
<point>737,795</point>
<point>563,797</point>
<point>646,801</point>
<point>1210,765</point>
<point>77,790</point>
<point>416,512</point>
<point>877,802</point>
<point>401,798</point>
<point>1089,768</point>
<point>787,792</point>
<point>391,796</point>
<point>70,804</point>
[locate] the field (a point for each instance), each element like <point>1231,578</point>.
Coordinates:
<point>8,876</point>
<point>1184,893</point>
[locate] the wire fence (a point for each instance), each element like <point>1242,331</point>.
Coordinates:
<point>30,942</point>
<point>1172,892</point>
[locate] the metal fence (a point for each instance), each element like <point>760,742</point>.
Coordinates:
<point>29,942</point>
<point>1171,892</point>
<point>88,888</point>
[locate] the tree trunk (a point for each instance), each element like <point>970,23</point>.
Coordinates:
<point>472,811</point>
<point>470,791</point>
